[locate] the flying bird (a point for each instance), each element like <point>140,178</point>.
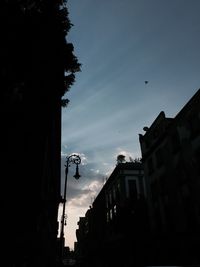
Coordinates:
<point>146,82</point>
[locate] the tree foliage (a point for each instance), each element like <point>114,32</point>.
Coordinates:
<point>121,159</point>
<point>34,50</point>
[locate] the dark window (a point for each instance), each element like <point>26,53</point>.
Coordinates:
<point>111,214</point>
<point>110,197</point>
<point>114,193</point>
<point>107,216</point>
<point>118,189</point>
<point>107,202</point>
<point>115,209</point>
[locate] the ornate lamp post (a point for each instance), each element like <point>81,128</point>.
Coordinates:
<point>75,159</point>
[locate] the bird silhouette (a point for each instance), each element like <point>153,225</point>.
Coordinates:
<point>146,82</point>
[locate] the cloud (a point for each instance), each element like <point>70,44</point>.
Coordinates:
<point>126,153</point>
<point>90,178</point>
<point>86,195</point>
<point>82,200</point>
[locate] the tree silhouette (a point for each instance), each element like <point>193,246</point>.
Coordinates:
<point>36,58</point>
<point>121,159</point>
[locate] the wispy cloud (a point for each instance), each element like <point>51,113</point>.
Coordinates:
<point>86,195</point>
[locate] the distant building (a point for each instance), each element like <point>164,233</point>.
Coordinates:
<point>114,228</point>
<point>81,235</point>
<point>171,157</point>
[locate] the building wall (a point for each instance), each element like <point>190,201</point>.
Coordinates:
<point>117,218</point>
<point>31,81</point>
<point>171,167</point>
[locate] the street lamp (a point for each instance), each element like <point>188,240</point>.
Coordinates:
<point>75,159</point>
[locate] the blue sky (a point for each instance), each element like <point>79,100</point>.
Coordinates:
<point>120,44</point>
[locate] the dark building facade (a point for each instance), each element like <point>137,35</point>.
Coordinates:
<point>33,53</point>
<point>171,157</point>
<point>114,228</point>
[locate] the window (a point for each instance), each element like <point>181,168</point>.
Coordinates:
<point>107,201</point>
<point>110,197</point>
<point>111,214</point>
<point>118,191</point>
<point>114,193</point>
<point>118,186</point>
<point>115,209</point>
<point>107,216</point>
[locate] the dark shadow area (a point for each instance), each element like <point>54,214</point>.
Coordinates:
<point>37,67</point>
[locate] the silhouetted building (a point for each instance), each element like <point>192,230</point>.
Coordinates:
<point>34,58</point>
<point>171,157</point>
<point>116,225</point>
<point>81,236</point>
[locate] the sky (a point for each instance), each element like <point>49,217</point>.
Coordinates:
<point>122,44</point>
